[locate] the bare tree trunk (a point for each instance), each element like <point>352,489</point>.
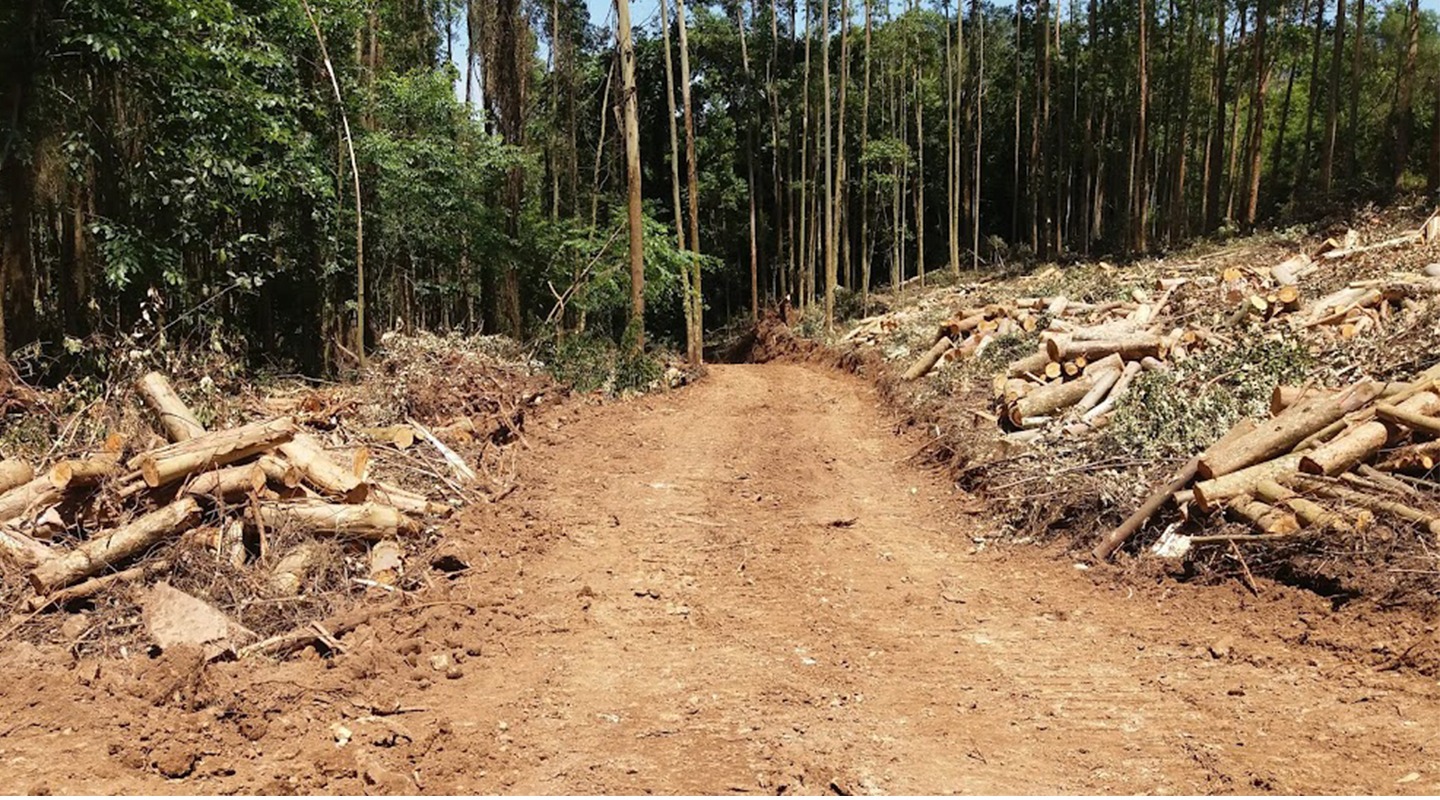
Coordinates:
<point>829,248</point>
<point>1140,191</point>
<point>1433,185</point>
<point>750,168</point>
<point>1332,108</point>
<point>635,334</point>
<point>842,218</point>
<point>1302,169</point>
<point>1357,63</point>
<point>355,176</point>
<point>1214,169</point>
<point>1403,120</point>
<point>865,176</point>
<point>697,347</point>
<point>685,303</point>
<point>1257,115</point>
<point>978,14</point>
<point>805,252</point>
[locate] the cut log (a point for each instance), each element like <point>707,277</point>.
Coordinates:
<point>1129,346</point>
<point>1280,434</point>
<point>21,550</point>
<point>1399,415</point>
<point>279,472</point>
<point>216,449</point>
<point>1033,364</point>
<point>1122,385</point>
<point>1292,269</point>
<point>104,550</point>
<point>1285,396</point>
<point>84,471</point>
<point>407,501</point>
<point>386,561</point>
<point>1429,230</point>
<point>1311,514</point>
<point>1052,397</point>
<point>926,362</point>
<point>1266,518</point>
<point>1133,523</point>
<point>290,573</point>
<point>1211,494</point>
<point>26,497</point>
<point>230,483</point>
<point>1362,441</point>
<point>93,586</point>
<point>400,436</point>
<point>1107,373</point>
<point>1421,456</point>
<point>369,521</point>
<point>14,473</point>
<point>307,455</point>
<point>1369,502</point>
<point>176,418</point>
<point>1410,238</point>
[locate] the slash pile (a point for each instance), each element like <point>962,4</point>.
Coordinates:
<point>274,498</point>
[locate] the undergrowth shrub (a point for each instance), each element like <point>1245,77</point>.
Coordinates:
<point>1181,411</point>
<point>590,363</point>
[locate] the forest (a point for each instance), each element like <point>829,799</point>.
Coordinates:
<point>287,180</point>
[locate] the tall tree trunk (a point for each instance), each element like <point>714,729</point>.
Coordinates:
<point>978,16</point>
<point>355,176</point>
<point>1257,115</point>
<point>1433,185</point>
<point>750,167</point>
<point>697,298</point>
<point>805,250</point>
<point>635,333</point>
<point>830,263</point>
<point>1214,171</point>
<point>1403,120</point>
<point>1278,151</point>
<point>842,195</point>
<point>1302,167</point>
<point>1357,79</point>
<point>1140,186</point>
<point>1332,107</point>
<point>865,175</point>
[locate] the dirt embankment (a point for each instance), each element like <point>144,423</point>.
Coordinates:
<point>745,587</point>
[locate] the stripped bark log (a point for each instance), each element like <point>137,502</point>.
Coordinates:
<point>386,561</point>
<point>216,449</point>
<point>27,497</point>
<point>107,549</point>
<point>1033,365</point>
<point>93,586</point>
<point>1122,385</point>
<point>369,521</point>
<point>176,418</point>
<point>1281,433</point>
<point>14,473</point>
<point>230,483</point>
<point>927,362</point>
<point>1129,346</point>
<point>1362,441</point>
<point>320,471</point>
<point>1107,373</point>
<point>400,436</point>
<point>84,471</point>
<point>1211,494</point>
<point>21,550</point>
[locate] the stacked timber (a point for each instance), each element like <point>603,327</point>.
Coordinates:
<point>85,523</point>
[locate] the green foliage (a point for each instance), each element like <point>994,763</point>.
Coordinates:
<point>1181,411</point>
<point>590,363</point>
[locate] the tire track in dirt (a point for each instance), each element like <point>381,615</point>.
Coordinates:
<point>744,587</point>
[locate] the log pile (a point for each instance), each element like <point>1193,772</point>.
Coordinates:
<point>1326,460</point>
<point>86,523</point>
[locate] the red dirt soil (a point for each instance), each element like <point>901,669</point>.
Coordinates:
<point>744,587</point>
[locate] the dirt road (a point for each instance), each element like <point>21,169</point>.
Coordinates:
<point>743,587</point>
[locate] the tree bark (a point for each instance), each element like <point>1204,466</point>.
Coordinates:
<point>176,418</point>
<point>635,336</point>
<point>1281,433</point>
<point>104,550</point>
<point>367,521</point>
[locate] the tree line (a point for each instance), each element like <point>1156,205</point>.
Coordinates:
<point>290,179</point>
